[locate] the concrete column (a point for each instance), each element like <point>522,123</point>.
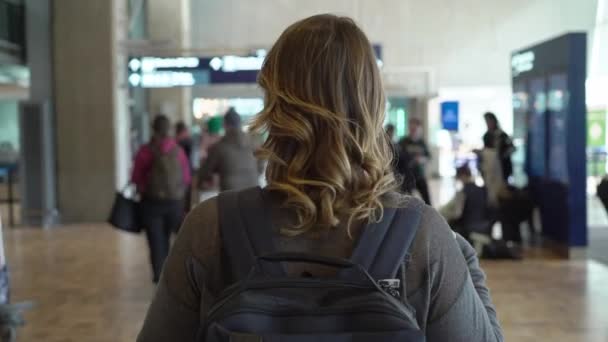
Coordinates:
<point>90,103</point>
<point>419,108</point>
<point>174,102</point>
<point>37,122</point>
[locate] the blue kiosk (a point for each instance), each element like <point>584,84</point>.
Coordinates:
<point>550,117</point>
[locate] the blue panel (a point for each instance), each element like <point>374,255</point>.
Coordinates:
<point>552,74</point>
<point>450,115</point>
<point>537,127</point>
<point>577,139</point>
<point>557,106</point>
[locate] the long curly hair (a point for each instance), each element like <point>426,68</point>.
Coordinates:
<point>324,109</point>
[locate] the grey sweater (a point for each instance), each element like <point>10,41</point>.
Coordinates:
<point>445,284</point>
<point>233,161</point>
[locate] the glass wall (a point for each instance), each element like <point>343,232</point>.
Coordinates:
<point>12,23</point>
<point>9,125</point>
<point>397,115</point>
<point>205,108</point>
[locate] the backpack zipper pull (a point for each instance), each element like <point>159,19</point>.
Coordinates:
<point>391,286</point>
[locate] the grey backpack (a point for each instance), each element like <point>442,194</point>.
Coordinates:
<point>166,179</point>
<point>365,301</point>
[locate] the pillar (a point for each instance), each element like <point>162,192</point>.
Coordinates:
<point>38,181</point>
<point>174,102</point>
<point>418,108</point>
<point>92,124</point>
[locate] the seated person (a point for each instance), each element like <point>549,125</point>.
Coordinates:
<point>467,211</point>
<point>515,206</point>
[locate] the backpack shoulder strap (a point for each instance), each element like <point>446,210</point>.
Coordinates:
<point>246,231</point>
<point>383,246</point>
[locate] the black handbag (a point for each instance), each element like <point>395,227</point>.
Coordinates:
<point>124,214</point>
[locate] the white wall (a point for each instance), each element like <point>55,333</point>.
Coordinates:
<point>468,42</point>
<point>598,65</point>
<point>170,21</point>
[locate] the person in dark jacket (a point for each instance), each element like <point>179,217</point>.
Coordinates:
<point>467,211</point>
<point>184,140</point>
<point>390,132</point>
<point>232,158</point>
<point>414,155</point>
<point>401,162</point>
<point>496,138</point>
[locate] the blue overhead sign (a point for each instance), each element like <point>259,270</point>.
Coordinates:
<point>450,115</point>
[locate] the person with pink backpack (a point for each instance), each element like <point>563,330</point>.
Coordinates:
<point>161,174</point>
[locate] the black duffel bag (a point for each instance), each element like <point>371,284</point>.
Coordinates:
<point>124,214</point>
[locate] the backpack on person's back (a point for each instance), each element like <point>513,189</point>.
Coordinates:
<point>365,301</point>
<point>166,178</point>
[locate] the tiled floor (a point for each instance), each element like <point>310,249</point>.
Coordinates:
<point>4,207</point>
<point>542,300</point>
<point>91,283</point>
<point>88,283</point>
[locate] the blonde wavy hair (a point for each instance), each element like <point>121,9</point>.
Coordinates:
<point>324,110</point>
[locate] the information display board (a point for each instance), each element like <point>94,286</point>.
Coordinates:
<point>168,72</point>
<point>549,91</point>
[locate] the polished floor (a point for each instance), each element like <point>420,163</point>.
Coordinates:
<point>91,283</point>
<point>87,283</point>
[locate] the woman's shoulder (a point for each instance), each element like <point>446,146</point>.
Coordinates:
<point>201,229</point>
<point>433,234</point>
<point>202,224</point>
<point>432,230</point>
<point>434,227</point>
<point>202,210</point>
<point>398,200</point>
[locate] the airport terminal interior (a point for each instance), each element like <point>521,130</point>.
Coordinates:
<point>497,112</point>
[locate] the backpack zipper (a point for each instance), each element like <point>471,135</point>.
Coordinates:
<point>325,312</point>
<point>231,293</point>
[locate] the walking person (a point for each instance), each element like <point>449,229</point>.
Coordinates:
<point>500,142</point>
<point>415,155</point>
<point>390,132</point>
<point>331,204</point>
<point>210,135</point>
<point>161,174</point>
<point>232,158</point>
<point>184,140</point>
<point>401,162</point>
